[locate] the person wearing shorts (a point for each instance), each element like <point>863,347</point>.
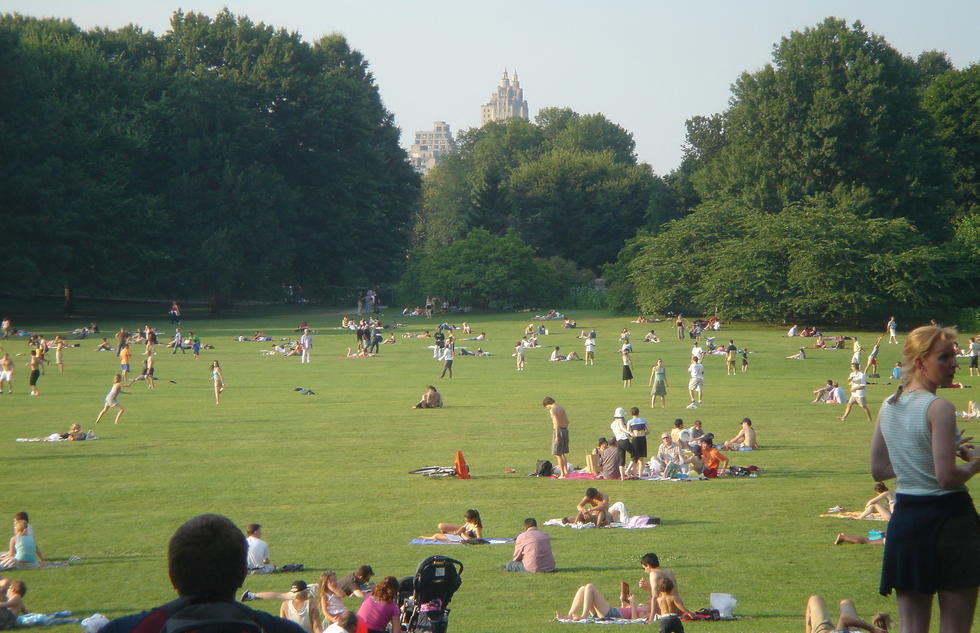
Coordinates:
<point>6,373</point>
<point>35,364</point>
<point>697,378</point>
<point>559,438</point>
<point>858,382</point>
<point>974,353</point>
<point>817,618</point>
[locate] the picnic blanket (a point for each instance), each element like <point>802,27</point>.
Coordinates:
<point>600,621</point>
<point>432,541</point>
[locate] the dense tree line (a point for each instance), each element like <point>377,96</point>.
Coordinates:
<point>220,159</point>
<point>840,184</point>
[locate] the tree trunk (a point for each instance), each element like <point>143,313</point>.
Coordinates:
<point>69,300</point>
<point>215,302</point>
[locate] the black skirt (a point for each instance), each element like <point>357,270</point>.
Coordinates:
<point>627,373</point>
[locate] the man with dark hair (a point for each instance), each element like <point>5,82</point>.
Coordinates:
<point>346,623</point>
<point>651,565</point>
<point>593,508</point>
<point>206,561</point>
<point>608,458</point>
<point>559,438</point>
<point>532,550</point>
<point>356,582</point>
<point>258,551</point>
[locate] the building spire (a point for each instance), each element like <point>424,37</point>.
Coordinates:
<point>504,83</point>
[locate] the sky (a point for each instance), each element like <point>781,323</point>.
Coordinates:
<point>647,65</point>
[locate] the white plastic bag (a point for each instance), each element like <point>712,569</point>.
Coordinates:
<point>724,603</point>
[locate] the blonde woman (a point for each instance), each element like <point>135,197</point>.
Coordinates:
<point>933,543</point>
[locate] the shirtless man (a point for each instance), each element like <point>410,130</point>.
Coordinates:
<point>559,441</point>
<point>6,373</point>
<point>744,441</point>
<point>651,566</point>
<point>431,399</point>
<point>35,364</point>
<point>593,508</point>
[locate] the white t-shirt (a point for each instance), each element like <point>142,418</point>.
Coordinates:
<point>697,351</point>
<point>858,383</point>
<point>696,370</point>
<point>258,552</point>
<point>590,344</point>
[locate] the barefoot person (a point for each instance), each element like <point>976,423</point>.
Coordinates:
<point>817,618</point>
<point>658,384</point>
<point>219,381</point>
<point>660,594</point>
<point>559,442</point>
<point>6,373</point>
<point>35,364</point>
<point>744,441</point>
<point>110,399</point>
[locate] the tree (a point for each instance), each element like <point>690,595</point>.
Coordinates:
<point>824,258</point>
<point>482,269</point>
<point>837,107</point>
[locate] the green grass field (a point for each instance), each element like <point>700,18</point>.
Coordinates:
<point>327,475</point>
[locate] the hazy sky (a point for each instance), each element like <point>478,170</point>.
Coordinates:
<point>645,64</point>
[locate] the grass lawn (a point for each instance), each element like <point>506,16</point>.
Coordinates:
<point>327,475</point>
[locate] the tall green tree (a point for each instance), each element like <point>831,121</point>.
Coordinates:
<point>837,107</point>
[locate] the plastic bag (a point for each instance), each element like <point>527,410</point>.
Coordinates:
<point>724,603</point>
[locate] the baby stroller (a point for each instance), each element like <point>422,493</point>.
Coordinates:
<point>424,605</point>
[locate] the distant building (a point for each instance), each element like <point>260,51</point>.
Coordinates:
<point>429,147</point>
<point>507,103</point>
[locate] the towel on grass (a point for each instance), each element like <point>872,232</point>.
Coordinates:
<point>432,541</point>
<point>600,621</point>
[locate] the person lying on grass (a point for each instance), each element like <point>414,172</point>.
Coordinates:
<point>470,530</point>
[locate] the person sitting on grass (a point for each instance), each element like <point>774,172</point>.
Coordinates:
<point>379,609</point>
<point>593,508</point>
<point>817,618</point>
<point>23,552</point>
<point>744,441</point>
<point>301,610</point>
<point>823,394</point>
<point>800,356</point>
<point>258,551</point>
<point>712,458</point>
<point>882,503</point>
<point>15,590</point>
<point>431,399</point>
<point>471,529</point>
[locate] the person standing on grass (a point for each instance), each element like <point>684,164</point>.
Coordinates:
<point>447,357</point>
<point>696,384</point>
<point>974,353</point>
<point>933,544</point>
<point>110,399</point>
<point>858,382</point>
<point>872,366</point>
<point>6,373</point>
<point>195,342</point>
<point>856,356</point>
<point>35,364</point>
<point>590,351</point>
<point>219,381</point>
<point>178,342</point>
<point>519,355</point>
<point>658,384</point>
<point>679,323</point>
<point>306,342</point>
<point>892,328</point>
<point>124,355</point>
<point>559,442</point>
<point>59,346</point>
<point>627,370</point>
